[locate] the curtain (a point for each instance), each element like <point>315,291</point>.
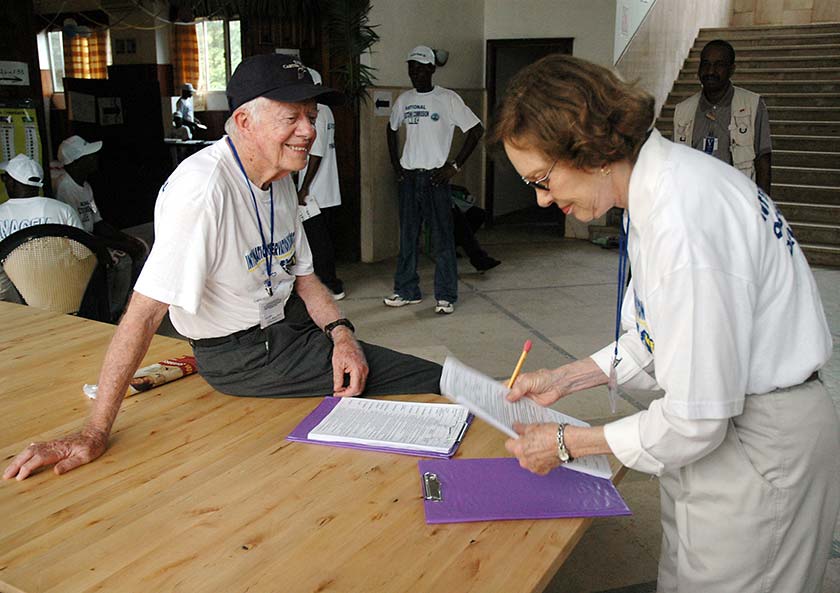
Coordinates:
<point>86,56</point>
<point>185,62</point>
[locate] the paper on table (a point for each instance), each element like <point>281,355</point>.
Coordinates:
<point>485,398</point>
<point>405,425</point>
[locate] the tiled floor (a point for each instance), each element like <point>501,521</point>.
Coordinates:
<point>560,294</point>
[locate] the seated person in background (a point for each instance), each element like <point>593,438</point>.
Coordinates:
<point>24,179</point>
<point>80,160</point>
<point>467,218</point>
<point>180,131</point>
<point>185,107</point>
<point>232,265</point>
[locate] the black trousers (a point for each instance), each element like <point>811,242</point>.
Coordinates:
<point>293,358</point>
<point>323,253</point>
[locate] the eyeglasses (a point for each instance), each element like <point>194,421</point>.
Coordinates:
<point>540,183</point>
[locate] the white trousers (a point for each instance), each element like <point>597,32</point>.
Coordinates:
<point>757,515</point>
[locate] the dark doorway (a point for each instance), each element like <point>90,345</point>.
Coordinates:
<point>507,199</point>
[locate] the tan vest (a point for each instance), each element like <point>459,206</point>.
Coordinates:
<point>741,127</point>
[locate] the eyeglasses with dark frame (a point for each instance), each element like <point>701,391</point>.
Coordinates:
<point>540,183</point>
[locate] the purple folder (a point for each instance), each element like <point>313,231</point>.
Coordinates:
<point>498,489</point>
<point>301,433</point>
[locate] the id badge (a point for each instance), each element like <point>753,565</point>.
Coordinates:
<point>272,309</point>
<point>710,144</point>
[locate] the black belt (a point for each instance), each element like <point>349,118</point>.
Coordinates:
<point>223,339</point>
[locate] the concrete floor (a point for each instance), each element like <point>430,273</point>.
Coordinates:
<point>560,294</point>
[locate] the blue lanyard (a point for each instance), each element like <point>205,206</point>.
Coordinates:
<point>622,278</point>
<point>266,254</point>
<point>612,383</point>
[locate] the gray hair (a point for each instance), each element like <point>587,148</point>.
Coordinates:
<point>253,108</point>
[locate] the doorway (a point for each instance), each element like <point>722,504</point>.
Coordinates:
<point>507,199</point>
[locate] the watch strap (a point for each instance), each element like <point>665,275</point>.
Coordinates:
<point>562,451</point>
<point>332,325</point>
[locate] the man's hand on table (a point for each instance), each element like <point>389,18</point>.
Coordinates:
<point>349,359</point>
<point>66,453</point>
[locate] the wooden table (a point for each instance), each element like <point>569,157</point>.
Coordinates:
<point>199,492</point>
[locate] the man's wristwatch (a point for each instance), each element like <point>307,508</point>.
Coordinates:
<point>331,326</point>
<point>454,165</point>
<point>562,451</point>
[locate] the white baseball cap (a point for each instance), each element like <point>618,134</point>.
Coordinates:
<point>25,170</point>
<point>75,147</point>
<point>422,54</point>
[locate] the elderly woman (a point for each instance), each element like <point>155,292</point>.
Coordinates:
<point>728,322</point>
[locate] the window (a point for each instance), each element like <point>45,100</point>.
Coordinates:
<point>219,53</point>
<point>55,44</point>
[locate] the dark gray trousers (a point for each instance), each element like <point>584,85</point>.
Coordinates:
<point>293,358</point>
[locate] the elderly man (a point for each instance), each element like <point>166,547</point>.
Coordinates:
<point>232,265</point>
<point>726,121</point>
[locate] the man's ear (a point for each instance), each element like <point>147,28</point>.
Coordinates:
<point>242,119</point>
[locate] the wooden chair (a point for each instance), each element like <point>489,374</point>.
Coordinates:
<point>59,268</point>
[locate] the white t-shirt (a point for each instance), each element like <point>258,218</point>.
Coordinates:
<point>186,108</point>
<point>430,120</point>
<point>79,197</point>
<point>20,213</point>
<point>324,187</point>
<point>725,305</point>
<point>207,261</point>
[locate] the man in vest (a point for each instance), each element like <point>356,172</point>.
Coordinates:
<point>725,121</point>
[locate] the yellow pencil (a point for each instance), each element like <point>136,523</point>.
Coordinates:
<point>525,349</point>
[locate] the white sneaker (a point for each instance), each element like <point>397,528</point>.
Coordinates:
<point>337,296</point>
<point>444,307</point>
<point>396,300</point>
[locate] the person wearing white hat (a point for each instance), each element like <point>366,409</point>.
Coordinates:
<point>319,195</point>
<point>24,180</point>
<point>430,114</point>
<point>80,160</point>
<point>186,108</point>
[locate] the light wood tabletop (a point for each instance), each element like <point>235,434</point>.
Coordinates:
<point>199,492</point>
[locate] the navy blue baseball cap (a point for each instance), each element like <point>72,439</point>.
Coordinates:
<point>279,77</point>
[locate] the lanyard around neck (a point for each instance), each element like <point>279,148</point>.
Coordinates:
<point>622,281</point>
<point>266,254</point>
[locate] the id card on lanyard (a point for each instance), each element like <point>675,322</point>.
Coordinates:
<point>271,306</point>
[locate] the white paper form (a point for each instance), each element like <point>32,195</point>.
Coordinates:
<point>485,398</point>
<point>401,425</point>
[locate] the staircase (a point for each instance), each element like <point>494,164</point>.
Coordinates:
<point>796,69</point>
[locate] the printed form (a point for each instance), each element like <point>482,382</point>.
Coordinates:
<point>400,425</point>
<point>485,398</point>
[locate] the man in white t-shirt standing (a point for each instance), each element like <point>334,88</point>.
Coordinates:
<point>430,114</point>
<point>232,266</point>
<point>24,179</point>
<point>319,195</point>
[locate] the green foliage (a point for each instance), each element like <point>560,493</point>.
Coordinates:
<point>350,36</point>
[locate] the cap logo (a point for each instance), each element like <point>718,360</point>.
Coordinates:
<point>300,68</point>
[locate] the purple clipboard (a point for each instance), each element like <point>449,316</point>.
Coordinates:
<point>301,433</point>
<point>463,490</point>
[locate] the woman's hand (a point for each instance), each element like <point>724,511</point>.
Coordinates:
<point>545,387</point>
<point>536,447</point>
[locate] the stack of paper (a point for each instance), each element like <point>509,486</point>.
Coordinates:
<point>485,398</point>
<point>385,425</point>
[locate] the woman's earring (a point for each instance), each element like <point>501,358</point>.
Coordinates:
<point>605,171</point>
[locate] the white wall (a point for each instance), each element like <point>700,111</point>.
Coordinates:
<point>591,23</point>
<point>629,14</point>
<point>661,45</point>
<point>442,24</point>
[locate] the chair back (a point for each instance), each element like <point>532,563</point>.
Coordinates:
<point>58,268</point>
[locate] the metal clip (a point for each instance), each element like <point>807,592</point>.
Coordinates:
<point>431,487</point>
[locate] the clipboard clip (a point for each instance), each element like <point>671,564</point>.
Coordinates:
<point>431,487</point>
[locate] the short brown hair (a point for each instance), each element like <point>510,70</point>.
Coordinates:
<point>574,111</point>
